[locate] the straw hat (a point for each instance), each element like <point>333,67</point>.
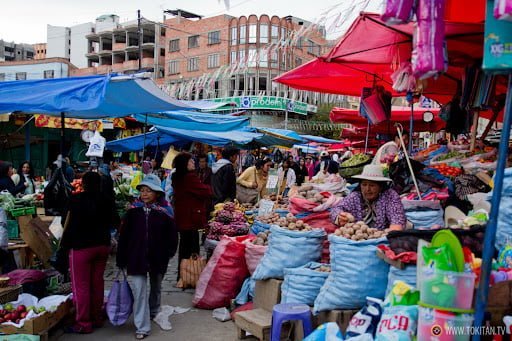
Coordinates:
<point>372,173</point>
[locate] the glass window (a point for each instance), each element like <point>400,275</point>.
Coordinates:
<point>193,64</point>
<point>213,61</point>
<point>311,47</point>
<point>174,45</point>
<point>48,74</point>
<point>251,59</point>
<point>299,43</point>
<point>20,76</point>
<point>274,59</point>
<point>263,58</point>
<point>264,33</point>
<point>174,67</point>
<point>214,37</point>
<point>283,33</point>
<point>234,38</point>
<point>241,56</point>
<point>275,33</point>
<point>252,33</point>
<point>243,34</point>
<point>233,57</point>
<point>262,84</point>
<point>283,60</point>
<point>193,41</point>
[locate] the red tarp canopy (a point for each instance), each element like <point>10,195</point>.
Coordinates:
<point>370,51</point>
<point>400,115</point>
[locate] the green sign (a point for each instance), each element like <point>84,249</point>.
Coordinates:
<point>269,103</point>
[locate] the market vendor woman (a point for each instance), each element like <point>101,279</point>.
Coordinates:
<point>372,202</point>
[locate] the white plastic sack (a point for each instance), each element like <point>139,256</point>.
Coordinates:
<point>96,145</point>
<point>289,249</point>
<point>356,272</point>
<point>398,323</point>
<point>407,275</point>
<point>221,314</point>
<point>302,285</point>
<point>4,235</point>
<point>329,331</point>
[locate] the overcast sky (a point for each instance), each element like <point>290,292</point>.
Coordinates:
<point>25,21</point>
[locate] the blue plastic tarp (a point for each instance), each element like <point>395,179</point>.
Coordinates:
<point>285,134</point>
<point>319,139</point>
<point>208,105</point>
<point>213,138</point>
<point>134,143</point>
<point>195,121</point>
<point>87,97</point>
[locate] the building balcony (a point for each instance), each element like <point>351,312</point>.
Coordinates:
<point>118,67</point>
<point>119,46</point>
<point>131,65</point>
<point>92,54</point>
<point>148,62</point>
<point>83,72</point>
<point>103,69</point>
<point>104,52</point>
<point>92,36</point>
<point>148,44</point>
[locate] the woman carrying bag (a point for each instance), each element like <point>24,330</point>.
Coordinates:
<point>147,241</point>
<point>191,201</point>
<point>252,183</point>
<point>87,237</point>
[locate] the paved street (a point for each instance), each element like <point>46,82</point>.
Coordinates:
<point>194,325</point>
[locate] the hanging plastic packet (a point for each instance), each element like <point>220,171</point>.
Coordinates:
<point>439,258</point>
<point>505,257</point>
<point>402,294</point>
<point>365,321</point>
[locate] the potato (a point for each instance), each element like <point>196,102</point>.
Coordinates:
<point>347,236</point>
<point>292,226</point>
<point>350,231</point>
<point>350,218</point>
<point>354,238</point>
<point>300,223</point>
<point>338,232</point>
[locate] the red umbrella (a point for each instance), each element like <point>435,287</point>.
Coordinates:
<point>371,51</point>
<point>400,115</point>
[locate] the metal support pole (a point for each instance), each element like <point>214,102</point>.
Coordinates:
<point>144,143</point>
<point>399,129</point>
<point>62,133</point>
<point>286,119</point>
<point>139,35</point>
<point>490,231</point>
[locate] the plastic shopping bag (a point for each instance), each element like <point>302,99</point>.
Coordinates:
<point>96,145</point>
<point>120,301</point>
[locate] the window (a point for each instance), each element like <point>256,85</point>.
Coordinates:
<point>298,61</point>
<point>234,38</point>
<point>174,67</point>
<point>274,59</point>
<point>251,59</point>
<point>193,64</point>
<point>263,33</point>
<point>252,33</point>
<point>263,54</point>
<point>213,37</point>
<point>21,76</point>
<point>174,45</point>
<point>275,33</point>
<point>48,74</point>
<point>193,41</point>
<point>299,43</point>
<point>213,61</point>
<point>2,77</point>
<point>241,57</point>
<point>243,34</point>
<point>233,57</point>
<point>162,52</point>
<point>283,60</point>
<point>283,33</point>
<point>311,47</point>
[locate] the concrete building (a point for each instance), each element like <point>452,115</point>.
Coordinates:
<point>114,47</point>
<point>39,51</point>
<point>35,69</point>
<point>14,52</point>
<point>198,47</point>
<point>69,42</point>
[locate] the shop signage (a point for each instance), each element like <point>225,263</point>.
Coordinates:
<point>44,121</point>
<point>269,103</point>
<point>266,207</point>
<point>497,42</point>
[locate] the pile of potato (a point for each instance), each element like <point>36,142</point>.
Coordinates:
<point>261,238</point>
<point>281,203</point>
<point>270,218</point>
<point>291,223</point>
<point>323,268</point>
<point>359,231</point>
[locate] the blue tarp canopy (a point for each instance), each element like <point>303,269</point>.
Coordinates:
<point>88,97</point>
<point>307,148</point>
<point>208,105</point>
<point>279,133</point>
<point>165,136</point>
<point>195,121</point>
<point>319,139</point>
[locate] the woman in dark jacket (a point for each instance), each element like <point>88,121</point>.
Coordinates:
<point>302,174</point>
<point>147,241</point>
<point>87,236</point>
<point>191,200</point>
<point>6,182</point>
<point>26,173</point>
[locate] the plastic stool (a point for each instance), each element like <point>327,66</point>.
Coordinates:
<point>290,312</point>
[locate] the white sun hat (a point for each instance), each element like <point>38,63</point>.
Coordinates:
<point>372,173</point>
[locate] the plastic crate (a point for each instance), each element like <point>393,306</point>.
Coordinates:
<point>30,210</point>
<point>13,229</point>
<point>17,212</point>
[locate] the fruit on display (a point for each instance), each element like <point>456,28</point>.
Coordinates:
<point>451,155</point>
<point>446,170</point>
<point>9,313</point>
<point>355,160</point>
<point>77,186</point>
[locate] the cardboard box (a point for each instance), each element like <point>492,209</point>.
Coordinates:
<point>40,324</point>
<point>267,293</point>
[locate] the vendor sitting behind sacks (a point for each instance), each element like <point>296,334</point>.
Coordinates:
<point>372,202</point>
